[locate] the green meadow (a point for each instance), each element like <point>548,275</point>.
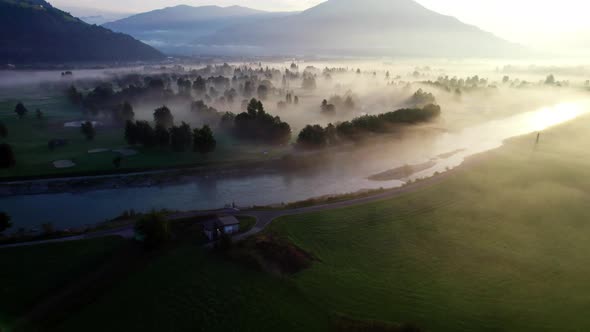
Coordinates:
<point>500,246</point>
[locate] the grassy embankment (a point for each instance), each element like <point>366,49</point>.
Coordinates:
<point>501,246</point>
<point>29,138</point>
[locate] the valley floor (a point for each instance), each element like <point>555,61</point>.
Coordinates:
<point>500,246</point>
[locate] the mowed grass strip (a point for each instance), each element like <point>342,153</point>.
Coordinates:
<point>501,246</point>
<point>31,274</point>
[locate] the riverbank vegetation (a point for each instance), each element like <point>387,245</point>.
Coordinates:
<point>314,137</point>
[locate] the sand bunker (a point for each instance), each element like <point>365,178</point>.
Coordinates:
<point>126,152</point>
<point>98,150</point>
<point>63,164</point>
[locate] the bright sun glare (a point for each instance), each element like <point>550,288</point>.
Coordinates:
<point>557,114</point>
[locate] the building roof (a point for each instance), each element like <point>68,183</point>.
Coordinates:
<point>218,222</point>
<point>228,221</point>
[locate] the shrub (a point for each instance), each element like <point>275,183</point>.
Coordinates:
<point>152,229</point>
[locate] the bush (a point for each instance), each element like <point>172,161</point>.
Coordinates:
<point>152,229</point>
<point>257,125</point>
<point>7,159</point>
<point>3,130</point>
<point>312,137</point>
<point>4,222</point>
<point>88,130</point>
<point>224,243</point>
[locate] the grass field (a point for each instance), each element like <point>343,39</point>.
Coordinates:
<point>29,274</point>
<point>192,290</point>
<point>29,138</point>
<point>502,245</point>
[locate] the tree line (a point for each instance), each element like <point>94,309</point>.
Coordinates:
<point>166,134</point>
<point>257,125</point>
<point>316,136</point>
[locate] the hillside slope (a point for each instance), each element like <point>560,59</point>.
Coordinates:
<point>175,29</point>
<point>33,31</point>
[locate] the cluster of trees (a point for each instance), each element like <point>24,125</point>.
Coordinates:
<point>7,159</point>
<point>315,136</point>
<point>421,98</point>
<point>457,84</point>
<point>153,230</point>
<point>309,82</point>
<point>116,105</point>
<point>21,111</point>
<point>87,129</point>
<point>3,130</point>
<point>163,117</point>
<point>290,99</point>
<point>206,114</point>
<point>5,222</point>
<point>165,134</point>
<point>257,125</point>
<point>336,102</point>
<point>327,108</point>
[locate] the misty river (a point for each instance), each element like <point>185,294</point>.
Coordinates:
<point>445,151</point>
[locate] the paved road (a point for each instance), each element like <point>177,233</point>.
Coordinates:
<point>263,218</point>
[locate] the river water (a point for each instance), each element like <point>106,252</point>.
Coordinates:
<point>348,172</point>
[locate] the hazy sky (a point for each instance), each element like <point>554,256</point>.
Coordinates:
<point>529,22</point>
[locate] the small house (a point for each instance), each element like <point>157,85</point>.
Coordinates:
<point>214,227</point>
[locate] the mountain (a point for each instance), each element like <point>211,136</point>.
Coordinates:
<point>33,31</point>
<point>175,29</point>
<point>94,15</point>
<point>368,27</point>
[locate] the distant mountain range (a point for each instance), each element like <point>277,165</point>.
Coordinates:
<point>335,27</point>
<point>33,31</point>
<point>177,29</point>
<point>94,15</point>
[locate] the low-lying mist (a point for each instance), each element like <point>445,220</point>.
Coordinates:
<point>480,100</point>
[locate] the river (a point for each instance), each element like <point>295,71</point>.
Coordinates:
<point>446,149</point>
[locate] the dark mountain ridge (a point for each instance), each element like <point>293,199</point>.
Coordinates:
<point>33,31</point>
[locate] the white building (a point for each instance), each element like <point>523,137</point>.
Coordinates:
<point>214,227</point>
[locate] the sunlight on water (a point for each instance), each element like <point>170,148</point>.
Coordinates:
<point>491,135</point>
<point>552,116</point>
